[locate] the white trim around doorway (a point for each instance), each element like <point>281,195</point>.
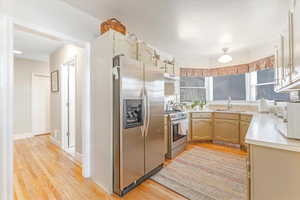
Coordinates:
<point>64,109</point>
<point>6,92</point>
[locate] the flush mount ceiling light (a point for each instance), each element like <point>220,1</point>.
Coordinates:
<point>225,58</point>
<point>18,52</point>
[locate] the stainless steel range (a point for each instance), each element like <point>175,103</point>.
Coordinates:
<point>178,130</point>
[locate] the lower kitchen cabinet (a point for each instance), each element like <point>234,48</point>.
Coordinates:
<point>226,130</point>
<point>274,173</point>
<point>202,129</point>
<point>243,131</point>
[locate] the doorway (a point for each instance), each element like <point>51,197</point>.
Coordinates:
<point>68,91</point>
<point>7,27</point>
<point>40,104</point>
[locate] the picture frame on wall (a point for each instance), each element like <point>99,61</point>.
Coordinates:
<point>55,81</point>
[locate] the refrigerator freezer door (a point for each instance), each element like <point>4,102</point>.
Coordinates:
<point>129,164</point>
<point>154,135</point>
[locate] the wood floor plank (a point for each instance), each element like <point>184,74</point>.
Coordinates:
<point>42,171</point>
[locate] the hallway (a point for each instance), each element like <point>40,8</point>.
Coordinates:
<point>43,171</point>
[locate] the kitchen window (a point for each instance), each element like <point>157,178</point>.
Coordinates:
<point>192,89</point>
<point>233,86</point>
<point>265,82</point>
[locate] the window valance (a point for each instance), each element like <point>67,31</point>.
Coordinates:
<point>264,63</point>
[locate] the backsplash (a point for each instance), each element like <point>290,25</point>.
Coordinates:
<point>246,107</point>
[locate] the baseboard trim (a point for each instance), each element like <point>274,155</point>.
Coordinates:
<point>21,136</point>
<point>78,157</point>
<point>55,142</point>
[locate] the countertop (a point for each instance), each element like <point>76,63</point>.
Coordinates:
<point>263,132</point>
<point>223,111</point>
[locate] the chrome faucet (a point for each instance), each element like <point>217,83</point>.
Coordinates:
<point>229,105</point>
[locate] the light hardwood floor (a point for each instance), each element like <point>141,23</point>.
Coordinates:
<point>43,171</point>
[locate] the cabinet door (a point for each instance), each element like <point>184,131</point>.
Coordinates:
<point>145,54</point>
<point>286,54</point>
<point>170,69</point>
<point>227,130</point>
<point>243,131</point>
<point>202,129</point>
<point>278,66</point>
<point>123,45</point>
<point>295,41</point>
<point>280,62</point>
<point>177,70</point>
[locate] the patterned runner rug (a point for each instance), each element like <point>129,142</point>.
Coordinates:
<point>204,174</point>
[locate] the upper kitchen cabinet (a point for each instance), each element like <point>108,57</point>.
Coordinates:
<point>177,69</point>
<point>295,41</point>
<point>287,54</point>
<point>145,53</point>
<point>124,45</point>
<point>170,69</point>
<point>279,64</point>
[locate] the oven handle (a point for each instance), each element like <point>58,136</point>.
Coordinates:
<point>177,121</point>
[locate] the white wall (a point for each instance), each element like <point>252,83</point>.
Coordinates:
<point>58,58</point>
<point>23,70</point>
<point>54,15</point>
<point>102,104</point>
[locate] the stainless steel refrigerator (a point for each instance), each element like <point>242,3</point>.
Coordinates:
<point>138,122</point>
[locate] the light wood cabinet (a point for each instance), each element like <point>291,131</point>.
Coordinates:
<point>123,45</point>
<point>226,130</point>
<point>177,70</point>
<point>243,131</point>
<point>202,129</point>
<point>170,69</point>
<point>274,173</point>
<point>145,53</point>
<point>220,115</point>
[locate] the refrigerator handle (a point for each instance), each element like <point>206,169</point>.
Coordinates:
<point>145,112</point>
<point>148,114</point>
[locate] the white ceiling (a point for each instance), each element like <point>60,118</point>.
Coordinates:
<point>195,31</point>
<point>34,46</point>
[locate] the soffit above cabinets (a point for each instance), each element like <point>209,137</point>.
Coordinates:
<point>194,31</point>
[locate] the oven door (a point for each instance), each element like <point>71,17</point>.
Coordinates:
<point>177,131</point>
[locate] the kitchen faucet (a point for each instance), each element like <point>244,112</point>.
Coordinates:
<point>229,106</point>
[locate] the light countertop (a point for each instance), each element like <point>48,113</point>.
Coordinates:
<point>222,111</point>
<point>263,132</point>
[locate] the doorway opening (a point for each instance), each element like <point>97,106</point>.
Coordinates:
<point>40,104</point>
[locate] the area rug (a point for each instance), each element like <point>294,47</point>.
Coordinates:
<point>204,174</point>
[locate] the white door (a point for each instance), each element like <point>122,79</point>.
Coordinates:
<point>40,104</point>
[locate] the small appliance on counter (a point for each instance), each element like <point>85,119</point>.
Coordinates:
<point>293,121</point>
<point>291,129</point>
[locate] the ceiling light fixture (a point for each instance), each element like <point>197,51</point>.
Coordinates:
<point>225,58</point>
<point>18,52</point>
